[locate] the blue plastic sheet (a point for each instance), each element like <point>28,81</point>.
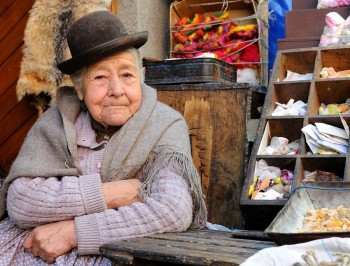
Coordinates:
<point>277,10</point>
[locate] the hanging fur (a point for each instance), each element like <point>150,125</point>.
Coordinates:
<point>45,46</point>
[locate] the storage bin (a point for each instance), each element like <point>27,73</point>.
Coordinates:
<point>284,229</point>
<point>197,70</point>
<point>241,13</point>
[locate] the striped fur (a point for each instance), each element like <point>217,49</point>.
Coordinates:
<point>45,46</point>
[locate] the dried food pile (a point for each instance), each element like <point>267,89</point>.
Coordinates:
<point>327,220</point>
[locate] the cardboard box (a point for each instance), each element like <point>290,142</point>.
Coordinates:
<point>242,12</point>
<point>294,43</point>
<point>310,22</point>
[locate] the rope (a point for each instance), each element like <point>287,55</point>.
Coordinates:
<point>322,188</point>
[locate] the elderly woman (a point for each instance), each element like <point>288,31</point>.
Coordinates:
<point>107,162</point>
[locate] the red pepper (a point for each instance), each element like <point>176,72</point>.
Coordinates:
<point>198,18</point>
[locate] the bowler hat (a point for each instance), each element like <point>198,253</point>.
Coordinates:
<point>95,36</point>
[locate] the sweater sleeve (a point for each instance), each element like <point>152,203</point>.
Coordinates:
<point>168,208</point>
<point>35,201</point>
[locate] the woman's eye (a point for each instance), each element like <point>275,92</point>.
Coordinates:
<point>100,77</point>
<point>127,75</point>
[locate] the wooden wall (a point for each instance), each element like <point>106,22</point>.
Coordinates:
<point>15,117</point>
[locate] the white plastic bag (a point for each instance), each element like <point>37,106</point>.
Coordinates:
<point>332,3</point>
<point>325,250</point>
<point>333,30</point>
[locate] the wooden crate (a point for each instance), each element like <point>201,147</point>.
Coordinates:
<point>258,214</point>
<point>242,12</point>
<point>216,115</point>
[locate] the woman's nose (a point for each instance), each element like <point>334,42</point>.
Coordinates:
<point>115,87</point>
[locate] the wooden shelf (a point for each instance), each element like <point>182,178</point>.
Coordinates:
<point>258,214</point>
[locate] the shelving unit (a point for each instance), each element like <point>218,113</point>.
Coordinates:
<point>258,214</point>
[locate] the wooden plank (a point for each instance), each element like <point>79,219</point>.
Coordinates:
<point>212,238</point>
<point>10,69</point>
<point>12,15</point>
<point>12,145</point>
<point>13,40</point>
<point>14,120</point>
<point>218,143</point>
<point>201,134</point>
<point>8,100</point>
<point>200,247</point>
<point>251,234</point>
<point>114,6</point>
<point>167,252</point>
<point>195,243</point>
<point>4,5</point>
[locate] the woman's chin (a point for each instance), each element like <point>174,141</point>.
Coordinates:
<point>115,120</point>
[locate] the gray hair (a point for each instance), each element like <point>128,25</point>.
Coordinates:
<point>79,74</point>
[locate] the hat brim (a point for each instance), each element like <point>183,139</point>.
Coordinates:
<point>71,65</point>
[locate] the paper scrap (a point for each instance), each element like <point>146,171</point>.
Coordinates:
<point>331,130</point>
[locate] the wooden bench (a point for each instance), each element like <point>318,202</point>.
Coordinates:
<point>195,247</point>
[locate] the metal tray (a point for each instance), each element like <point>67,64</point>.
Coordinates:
<point>284,228</point>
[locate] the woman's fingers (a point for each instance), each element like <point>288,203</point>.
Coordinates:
<point>28,242</point>
<point>121,193</point>
<point>51,240</point>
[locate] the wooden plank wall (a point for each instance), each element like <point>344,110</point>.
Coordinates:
<point>15,117</point>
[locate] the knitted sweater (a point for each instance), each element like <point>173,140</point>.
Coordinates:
<point>55,181</point>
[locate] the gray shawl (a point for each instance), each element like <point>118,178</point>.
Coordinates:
<point>154,136</point>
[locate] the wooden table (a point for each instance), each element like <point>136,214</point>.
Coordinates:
<point>197,247</point>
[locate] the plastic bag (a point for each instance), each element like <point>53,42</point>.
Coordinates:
<point>277,10</point>
<point>336,32</point>
<point>332,3</point>
<point>263,170</point>
<point>345,36</point>
<point>325,250</point>
<point>333,30</point>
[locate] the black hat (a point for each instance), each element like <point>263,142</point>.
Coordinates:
<point>95,36</point>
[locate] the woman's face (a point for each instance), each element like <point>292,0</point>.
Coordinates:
<point>112,89</point>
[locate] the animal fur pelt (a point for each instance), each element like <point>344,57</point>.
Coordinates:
<point>45,47</point>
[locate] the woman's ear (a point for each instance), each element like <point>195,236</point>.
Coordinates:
<point>77,88</point>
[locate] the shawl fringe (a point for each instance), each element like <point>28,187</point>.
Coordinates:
<point>184,167</point>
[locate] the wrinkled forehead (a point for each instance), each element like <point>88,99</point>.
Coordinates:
<point>119,61</point>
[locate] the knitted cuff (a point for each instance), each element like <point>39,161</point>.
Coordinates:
<point>88,234</point>
<point>91,190</point>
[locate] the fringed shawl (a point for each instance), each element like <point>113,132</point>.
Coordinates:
<point>155,136</point>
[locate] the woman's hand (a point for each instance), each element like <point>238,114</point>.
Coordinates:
<point>51,240</point>
<point>121,193</point>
